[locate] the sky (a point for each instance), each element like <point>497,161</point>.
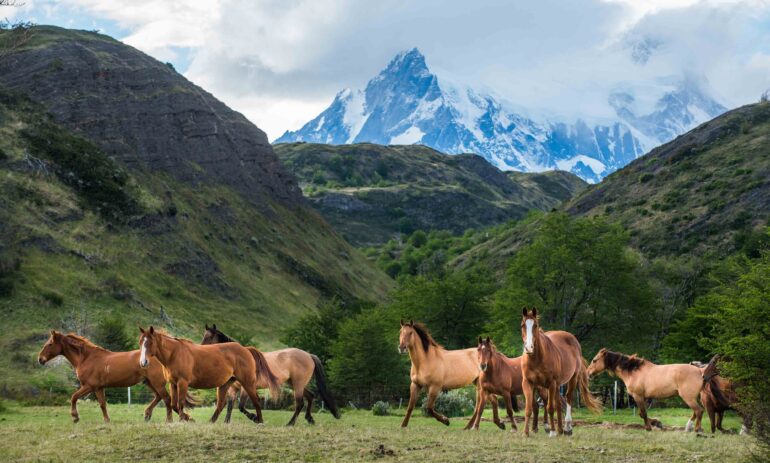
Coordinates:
<point>281,62</point>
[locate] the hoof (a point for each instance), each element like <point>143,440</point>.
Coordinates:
<point>75,419</point>
<point>552,434</point>
<point>501,425</point>
<point>568,432</point>
<point>147,418</point>
<point>310,420</point>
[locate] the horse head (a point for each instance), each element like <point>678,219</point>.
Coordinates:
<point>597,364</point>
<point>149,344</point>
<point>407,337</point>
<point>52,348</point>
<point>485,352</point>
<point>530,327</point>
<point>213,336</point>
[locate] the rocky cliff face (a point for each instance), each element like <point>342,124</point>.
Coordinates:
<point>144,113</point>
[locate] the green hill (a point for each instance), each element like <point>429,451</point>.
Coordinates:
<point>371,193</point>
<point>125,189</point>
<point>706,192</point>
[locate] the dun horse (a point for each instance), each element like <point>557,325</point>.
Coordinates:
<point>499,375</point>
<point>551,359</point>
<point>646,380</point>
<point>207,367</point>
<point>293,366</point>
<point>436,369</point>
<point>98,368</point>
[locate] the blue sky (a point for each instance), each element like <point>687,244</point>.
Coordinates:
<point>280,62</point>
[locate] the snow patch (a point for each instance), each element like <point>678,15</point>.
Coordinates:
<point>409,137</point>
<point>355,114</point>
<point>594,164</point>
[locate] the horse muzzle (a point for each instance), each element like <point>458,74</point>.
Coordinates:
<point>144,363</point>
<point>401,350</point>
<point>483,366</point>
<point>42,360</point>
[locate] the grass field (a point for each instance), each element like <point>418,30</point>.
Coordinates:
<point>32,434</point>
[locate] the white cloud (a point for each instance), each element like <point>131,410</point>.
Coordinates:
<point>281,61</point>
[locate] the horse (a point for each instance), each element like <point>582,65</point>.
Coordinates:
<point>551,359</point>
<point>207,367</point>
<point>98,368</point>
<point>646,380</point>
<point>499,375</point>
<point>292,366</point>
<point>718,395</point>
<point>436,369</point>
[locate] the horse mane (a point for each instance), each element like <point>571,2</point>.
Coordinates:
<point>224,337</point>
<point>83,342</point>
<point>165,333</point>
<point>629,363</point>
<point>425,337</point>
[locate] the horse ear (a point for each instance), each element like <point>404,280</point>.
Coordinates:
<point>402,322</point>
<point>207,326</point>
<point>411,322</point>
<point>141,330</point>
<point>524,311</point>
<point>488,340</point>
<point>479,339</point>
<point>152,329</point>
<point>534,312</point>
<point>214,326</point>
<point>53,332</point>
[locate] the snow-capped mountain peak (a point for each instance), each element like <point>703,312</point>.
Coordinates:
<point>408,104</point>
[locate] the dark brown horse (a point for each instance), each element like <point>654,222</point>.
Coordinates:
<point>207,367</point>
<point>499,375</point>
<point>717,396</point>
<point>291,366</point>
<point>98,368</point>
<point>551,359</point>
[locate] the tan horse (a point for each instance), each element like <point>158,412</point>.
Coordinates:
<point>646,380</point>
<point>436,369</point>
<point>207,367</point>
<point>98,368</point>
<point>294,367</point>
<point>499,375</point>
<point>551,359</point>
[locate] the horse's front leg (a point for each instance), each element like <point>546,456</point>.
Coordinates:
<point>472,421</point>
<point>100,397</point>
<point>433,393</point>
<point>642,410</point>
<point>84,390</point>
<point>181,395</point>
<point>529,397</point>
<point>509,408</point>
<point>414,393</point>
<point>495,414</point>
<point>553,397</point>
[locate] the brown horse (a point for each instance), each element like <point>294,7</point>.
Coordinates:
<point>718,395</point>
<point>499,375</point>
<point>436,369</point>
<point>291,366</point>
<point>98,368</point>
<point>207,367</point>
<point>551,359</point>
<point>646,380</point>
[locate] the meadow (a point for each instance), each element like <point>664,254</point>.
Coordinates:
<point>35,434</point>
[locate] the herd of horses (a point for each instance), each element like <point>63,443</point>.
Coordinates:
<point>169,366</point>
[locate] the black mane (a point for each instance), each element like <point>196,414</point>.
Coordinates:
<point>220,336</point>
<point>425,337</point>
<point>616,360</point>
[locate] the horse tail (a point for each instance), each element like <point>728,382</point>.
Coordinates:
<point>710,370</point>
<point>191,402</point>
<point>320,382</point>
<point>264,372</point>
<point>711,383</point>
<point>591,402</point>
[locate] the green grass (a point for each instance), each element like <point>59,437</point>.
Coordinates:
<point>47,434</point>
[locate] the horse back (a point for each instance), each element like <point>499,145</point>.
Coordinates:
<point>450,369</point>
<point>290,363</point>
<point>115,369</point>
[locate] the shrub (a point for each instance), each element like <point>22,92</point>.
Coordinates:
<point>111,333</point>
<point>645,177</point>
<point>458,402</point>
<point>381,408</point>
<point>53,297</point>
<point>3,155</point>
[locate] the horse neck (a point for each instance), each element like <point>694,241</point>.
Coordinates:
<point>75,354</point>
<point>166,352</point>
<point>418,355</point>
<point>542,349</point>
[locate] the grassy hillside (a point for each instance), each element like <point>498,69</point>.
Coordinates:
<point>370,193</point>
<point>82,237</point>
<point>706,192</point>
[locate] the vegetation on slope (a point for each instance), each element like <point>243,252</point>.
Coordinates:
<point>83,240</point>
<point>372,193</point>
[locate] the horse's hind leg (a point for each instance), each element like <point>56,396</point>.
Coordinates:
<point>298,404</point>
<point>250,386</point>
<point>232,394</point>
<point>433,393</point>
<point>697,414</point>
<point>309,396</point>
<point>99,393</point>
<point>495,412</point>
<point>509,409</point>
<point>570,397</point>
<point>720,414</point>
<point>554,405</point>
<point>84,390</point>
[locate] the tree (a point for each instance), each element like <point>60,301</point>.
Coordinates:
<point>365,363</point>
<point>112,334</point>
<point>583,278</point>
<point>454,306</point>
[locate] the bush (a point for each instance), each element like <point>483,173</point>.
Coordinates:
<point>381,408</point>
<point>645,177</point>
<point>3,155</point>
<point>53,298</point>
<point>111,333</point>
<point>459,402</point>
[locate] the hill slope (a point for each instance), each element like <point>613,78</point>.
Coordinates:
<point>371,192</point>
<point>706,191</point>
<point>163,206</point>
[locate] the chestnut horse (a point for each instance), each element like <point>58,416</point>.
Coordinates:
<point>646,380</point>
<point>551,359</point>
<point>293,366</point>
<point>718,395</point>
<point>436,369</point>
<point>98,368</point>
<point>499,375</point>
<point>206,367</point>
